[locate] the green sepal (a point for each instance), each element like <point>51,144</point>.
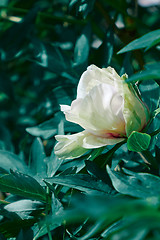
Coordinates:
<point>138,142</point>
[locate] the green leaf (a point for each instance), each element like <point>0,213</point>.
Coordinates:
<point>23,185</point>
<point>25,209</point>
<point>81,50</point>
<point>50,222</point>
<point>127,65</point>
<point>49,128</point>
<point>105,51</point>
<point>100,174</point>
<point>38,164</point>
<point>138,142</point>
<point>150,92</point>
<point>82,6</point>
<point>82,182</point>
<point>145,41</point>
<point>148,74</point>
<point>50,57</point>
<point>129,228</point>
<point>106,158</point>
<point>43,230</point>
<point>114,228</point>
<point>141,185</point>
<point>45,130</point>
<point>9,160</point>
<point>11,223</point>
<point>53,164</point>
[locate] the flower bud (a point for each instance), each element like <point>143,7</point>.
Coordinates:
<point>106,107</point>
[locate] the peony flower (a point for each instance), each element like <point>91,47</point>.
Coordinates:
<point>106,107</point>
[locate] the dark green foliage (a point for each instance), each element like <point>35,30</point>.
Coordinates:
<point>82,6</point>
<point>108,193</point>
<point>21,184</point>
<point>147,41</point>
<point>82,182</point>
<point>140,185</point>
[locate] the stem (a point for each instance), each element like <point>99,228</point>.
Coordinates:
<point>149,160</point>
<point>136,9</point>
<point>155,132</point>
<point>49,233</point>
<point>106,158</point>
<point>95,153</point>
<point>47,211</point>
<point>4,202</point>
<point>144,159</point>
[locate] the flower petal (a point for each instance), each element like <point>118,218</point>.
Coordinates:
<point>75,145</point>
<point>70,146</point>
<point>91,141</point>
<point>94,76</point>
<point>99,112</point>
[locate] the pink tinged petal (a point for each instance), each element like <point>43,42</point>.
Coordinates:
<point>70,146</point>
<point>75,145</point>
<point>94,76</point>
<point>91,141</point>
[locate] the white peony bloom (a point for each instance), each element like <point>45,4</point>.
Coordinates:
<point>106,107</point>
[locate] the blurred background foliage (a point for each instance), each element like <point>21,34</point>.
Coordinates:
<point>45,46</point>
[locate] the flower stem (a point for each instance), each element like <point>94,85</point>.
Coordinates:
<point>149,160</point>
<point>49,233</point>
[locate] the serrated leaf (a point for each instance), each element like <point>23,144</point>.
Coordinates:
<point>141,185</point>
<point>138,142</point>
<point>23,185</point>
<point>82,182</point>
<point>146,40</point>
